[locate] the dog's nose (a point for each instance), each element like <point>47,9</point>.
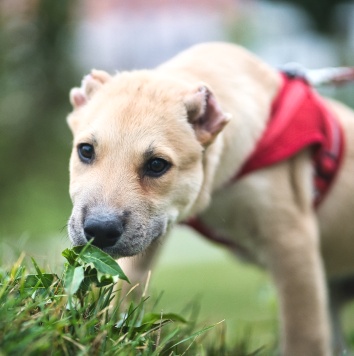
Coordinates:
<point>105,231</point>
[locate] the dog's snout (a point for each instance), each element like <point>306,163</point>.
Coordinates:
<point>104,230</point>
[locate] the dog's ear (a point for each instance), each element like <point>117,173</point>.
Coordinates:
<point>205,114</point>
<point>89,85</point>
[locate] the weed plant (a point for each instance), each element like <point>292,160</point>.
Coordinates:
<point>78,313</point>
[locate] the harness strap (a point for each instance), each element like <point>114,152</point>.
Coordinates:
<point>299,119</point>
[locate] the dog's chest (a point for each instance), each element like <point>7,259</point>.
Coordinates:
<point>235,218</point>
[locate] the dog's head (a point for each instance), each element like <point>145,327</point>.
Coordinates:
<point>137,161</point>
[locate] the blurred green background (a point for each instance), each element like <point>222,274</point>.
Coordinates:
<point>45,49</point>
<point>36,72</point>
<point>47,46</point>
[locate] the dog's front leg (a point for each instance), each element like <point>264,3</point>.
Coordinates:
<point>294,260</point>
<point>137,269</point>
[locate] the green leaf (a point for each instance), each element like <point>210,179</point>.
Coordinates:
<point>43,280</point>
<point>70,255</point>
<point>104,264</point>
<point>73,278</point>
<point>154,317</point>
<point>142,328</point>
<point>39,272</point>
<point>92,258</point>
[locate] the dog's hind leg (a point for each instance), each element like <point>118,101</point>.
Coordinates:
<point>341,292</point>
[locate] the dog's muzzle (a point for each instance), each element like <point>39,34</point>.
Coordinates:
<point>118,233</point>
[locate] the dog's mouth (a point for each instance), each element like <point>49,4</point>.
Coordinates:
<point>119,235</point>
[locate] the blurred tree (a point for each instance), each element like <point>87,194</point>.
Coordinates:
<point>320,11</point>
<point>36,72</point>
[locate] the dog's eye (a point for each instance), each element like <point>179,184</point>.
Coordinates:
<point>86,152</point>
<point>156,167</point>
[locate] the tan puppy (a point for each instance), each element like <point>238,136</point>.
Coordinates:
<point>153,148</point>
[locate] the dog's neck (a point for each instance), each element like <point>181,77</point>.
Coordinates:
<point>225,157</point>
<point>249,122</point>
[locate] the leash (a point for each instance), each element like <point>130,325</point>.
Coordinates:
<point>318,77</point>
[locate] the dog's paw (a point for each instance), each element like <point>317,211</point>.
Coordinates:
<point>89,86</point>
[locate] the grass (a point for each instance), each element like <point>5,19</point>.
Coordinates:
<point>247,303</point>
<point>191,269</point>
<point>193,280</point>
<point>46,314</point>
<point>78,313</point>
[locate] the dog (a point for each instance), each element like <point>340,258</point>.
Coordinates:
<point>153,148</point>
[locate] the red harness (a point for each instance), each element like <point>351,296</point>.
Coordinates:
<point>299,119</point>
